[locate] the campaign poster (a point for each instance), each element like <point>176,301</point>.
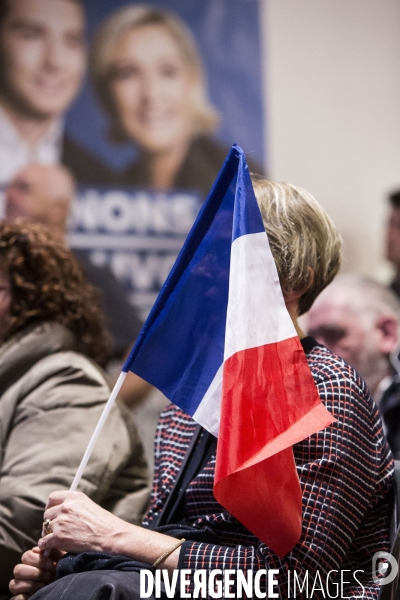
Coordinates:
<point>141,101</point>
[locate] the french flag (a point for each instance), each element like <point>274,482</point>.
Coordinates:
<point>220,344</point>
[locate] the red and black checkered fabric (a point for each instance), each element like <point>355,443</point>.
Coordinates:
<point>345,471</point>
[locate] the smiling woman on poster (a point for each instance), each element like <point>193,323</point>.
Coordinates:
<point>149,77</point>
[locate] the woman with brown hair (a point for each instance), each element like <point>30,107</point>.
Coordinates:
<point>52,392</point>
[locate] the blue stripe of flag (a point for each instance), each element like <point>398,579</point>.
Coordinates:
<point>247,216</point>
<point>181,345</point>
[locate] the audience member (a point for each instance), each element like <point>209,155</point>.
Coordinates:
<point>345,471</point>
<point>52,393</point>
<point>358,319</point>
<point>393,239</point>
<point>43,194</point>
<point>43,61</point>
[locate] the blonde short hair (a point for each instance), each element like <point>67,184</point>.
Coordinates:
<point>128,18</point>
<point>301,237</point>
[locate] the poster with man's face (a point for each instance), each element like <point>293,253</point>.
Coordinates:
<point>141,101</point>
<point>43,61</point>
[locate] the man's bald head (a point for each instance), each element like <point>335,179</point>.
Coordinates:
<point>358,319</point>
<point>359,296</point>
<point>41,194</point>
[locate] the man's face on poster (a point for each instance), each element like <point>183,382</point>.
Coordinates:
<point>43,57</point>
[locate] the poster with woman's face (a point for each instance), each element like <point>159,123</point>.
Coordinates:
<point>141,101</point>
<point>163,75</point>
<point>172,85</point>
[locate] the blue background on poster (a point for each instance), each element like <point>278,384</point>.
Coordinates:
<point>228,36</point>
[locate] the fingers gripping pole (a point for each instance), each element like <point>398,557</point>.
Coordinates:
<point>97,431</point>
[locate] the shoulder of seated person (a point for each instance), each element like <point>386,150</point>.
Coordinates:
<point>65,378</point>
<point>338,381</point>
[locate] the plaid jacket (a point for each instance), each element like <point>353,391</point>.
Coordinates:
<point>345,472</point>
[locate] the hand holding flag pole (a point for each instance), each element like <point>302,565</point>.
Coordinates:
<point>95,436</point>
<point>220,344</point>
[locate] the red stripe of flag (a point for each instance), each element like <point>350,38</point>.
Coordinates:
<point>269,403</point>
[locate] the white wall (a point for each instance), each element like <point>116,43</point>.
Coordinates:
<point>333,111</point>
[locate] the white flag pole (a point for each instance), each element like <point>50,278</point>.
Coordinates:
<point>95,436</point>
<point>97,431</point>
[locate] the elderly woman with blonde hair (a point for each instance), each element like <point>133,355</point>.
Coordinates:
<point>345,470</point>
<point>150,80</point>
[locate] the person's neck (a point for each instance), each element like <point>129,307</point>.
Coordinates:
<point>374,379</point>
<point>30,129</point>
<point>293,310</point>
<point>163,166</point>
